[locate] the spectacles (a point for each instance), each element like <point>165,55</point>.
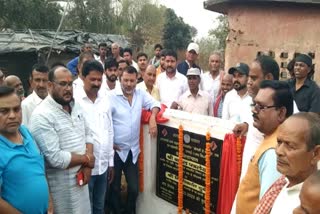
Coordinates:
<point>64,84</point>
<point>258,107</point>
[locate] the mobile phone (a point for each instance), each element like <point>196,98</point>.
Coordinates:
<point>80,177</point>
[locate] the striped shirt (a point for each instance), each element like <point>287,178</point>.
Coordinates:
<point>58,134</point>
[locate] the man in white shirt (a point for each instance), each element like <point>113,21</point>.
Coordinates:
<point>194,100</point>
<point>110,79</point>
<point>142,59</point>
<point>262,68</point>
<point>39,84</point>
<point>298,152</point>
<point>78,83</point>
<point>127,55</point>
<point>148,83</point>
<point>211,80</point>
<point>98,115</point>
<point>102,53</point>
<point>238,100</point>
<point>171,84</point>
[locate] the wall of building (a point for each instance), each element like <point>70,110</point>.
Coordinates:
<point>278,30</point>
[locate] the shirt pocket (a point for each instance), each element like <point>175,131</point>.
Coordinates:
<point>79,123</point>
<point>105,121</point>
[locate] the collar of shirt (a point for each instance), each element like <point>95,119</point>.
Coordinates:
<point>217,77</point>
<point>199,94</point>
<point>293,188</point>
<point>52,102</point>
<point>83,95</point>
<point>78,82</point>
<point>244,96</point>
<point>142,85</point>
<point>116,86</point>
<point>188,63</point>
<point>176,76</point>
<point>307,83</point>
<point>233,93</point>
<point>36,98</point>
<point>10,144</point>
<point>118,91</point>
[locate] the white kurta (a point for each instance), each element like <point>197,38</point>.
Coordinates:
<point>58,134</point>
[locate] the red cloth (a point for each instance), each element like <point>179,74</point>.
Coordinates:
<point>229,178</point>
<point>145,116</point>
<point>216,105</point>
<point>266,203</point>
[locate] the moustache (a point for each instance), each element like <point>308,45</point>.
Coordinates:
<point>236,82</point>
<point>255,116</point>
<point>67,94</point>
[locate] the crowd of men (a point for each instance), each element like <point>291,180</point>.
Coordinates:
<point>65,147</point>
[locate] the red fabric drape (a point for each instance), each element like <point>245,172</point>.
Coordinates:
<point>229,175</point>
<point>216,105</point>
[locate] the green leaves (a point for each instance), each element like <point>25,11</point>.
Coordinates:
<point>35,14</point>
<point>176,33</point>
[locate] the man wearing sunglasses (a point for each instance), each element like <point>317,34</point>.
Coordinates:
<point>271,106</point>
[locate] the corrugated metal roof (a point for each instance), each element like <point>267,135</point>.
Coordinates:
<point>41,40</point>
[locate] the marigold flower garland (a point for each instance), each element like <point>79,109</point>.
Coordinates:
<point>239,156</point>
<point>141,160</point>
<point>180,170</point>
<point>208,175</point>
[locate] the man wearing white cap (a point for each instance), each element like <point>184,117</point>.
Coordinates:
<point>194,100</point>
<point>191,57</point>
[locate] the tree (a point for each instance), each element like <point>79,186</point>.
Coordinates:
<point>92,16</point>
<point>176,33</point>
<point>37,14</point>
<point>194,32</point>
<point>206,45</point>
<point>220,33</point>
<point>139,20</point>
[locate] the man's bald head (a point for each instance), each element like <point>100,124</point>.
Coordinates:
<point>151,68</point>
<point>115,49</point>
<point>149,76</point>
<point>15,82</point>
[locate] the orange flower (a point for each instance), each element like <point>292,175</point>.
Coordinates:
<point>239,156</point>
<point>180,170</point>
<point>208,175</point>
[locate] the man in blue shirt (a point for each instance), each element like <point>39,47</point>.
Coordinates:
<point>126,106</point>
<point>72,64</point>
<point>191,57</point>
<point>23,185</point>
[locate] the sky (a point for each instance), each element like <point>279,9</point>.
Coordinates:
<point>193,13</point>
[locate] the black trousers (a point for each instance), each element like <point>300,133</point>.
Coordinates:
<point>131,173</point>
